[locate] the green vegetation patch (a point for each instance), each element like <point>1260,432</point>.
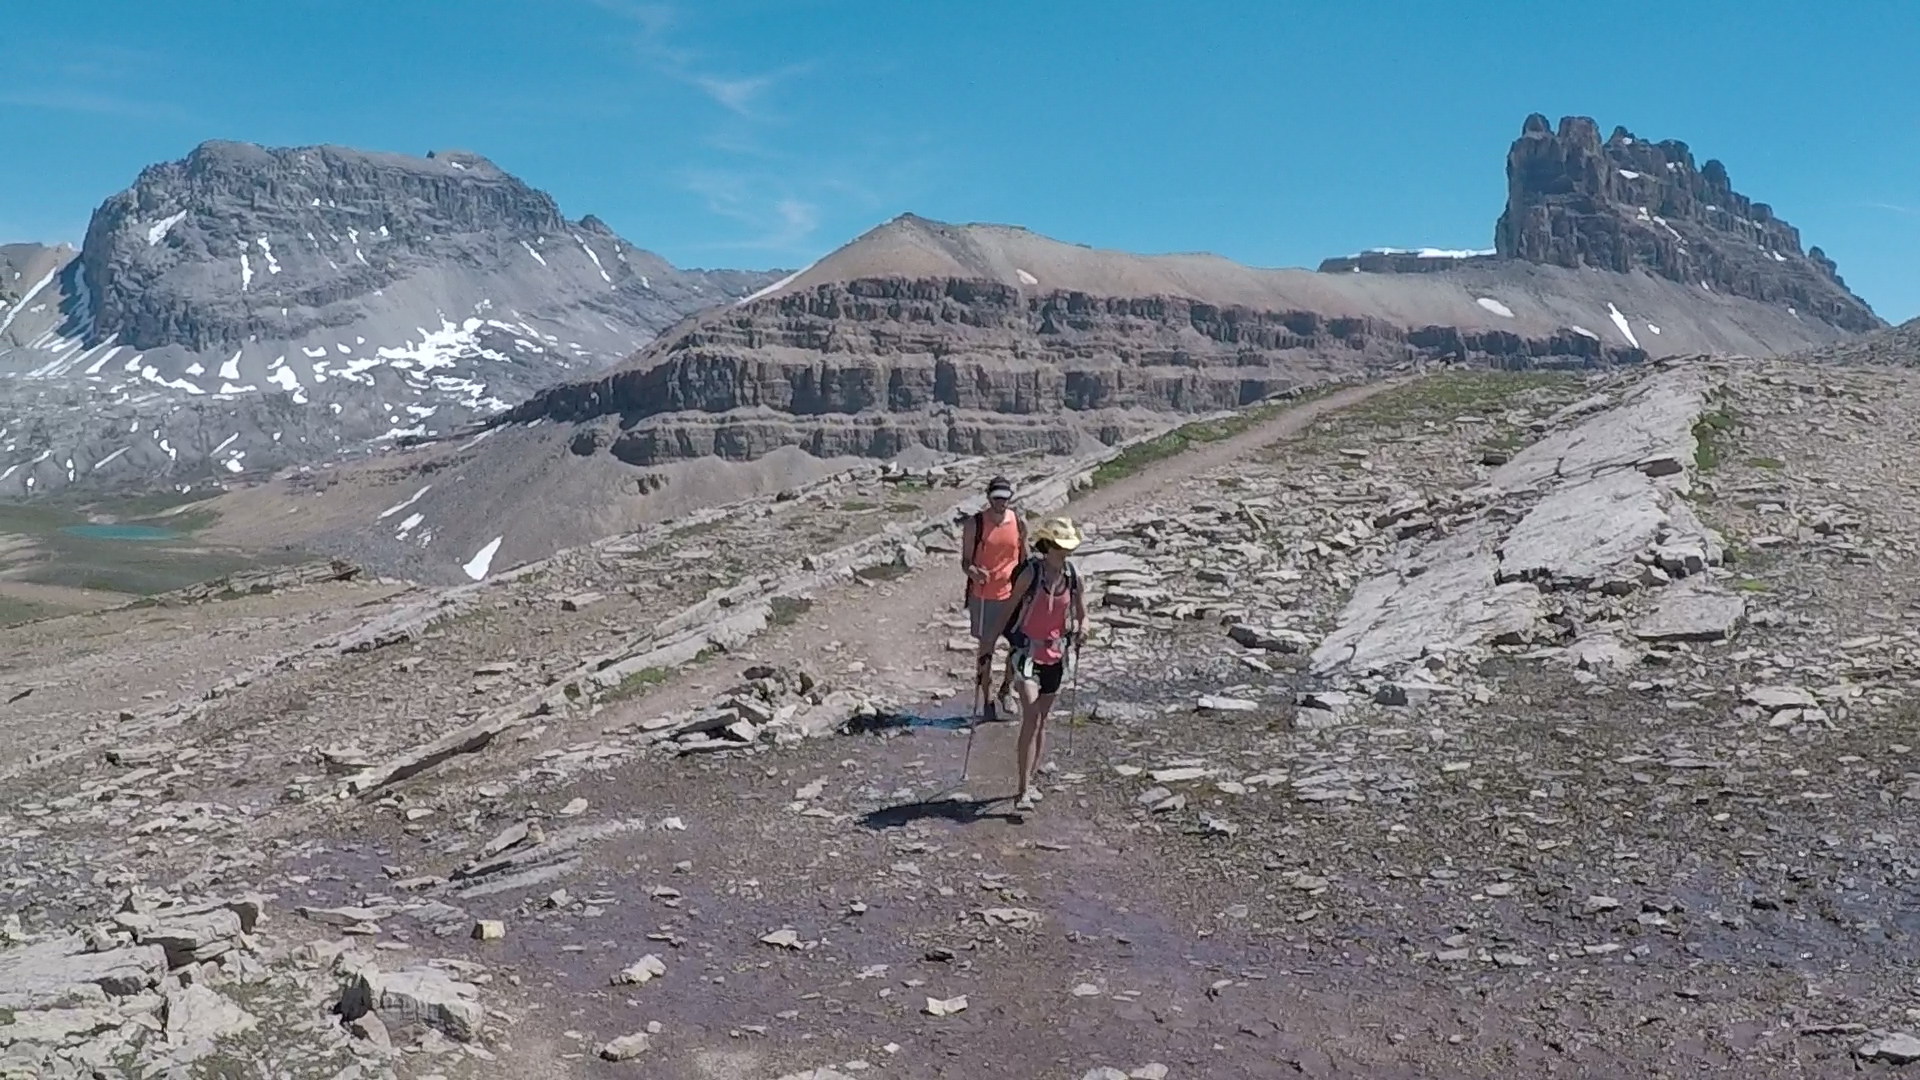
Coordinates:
<point>888,571</point>
<point>1181,439</point>
<point>1711,433</point>
<point>637,683</point>
<point>1449,395</point>
<point>787,610</point>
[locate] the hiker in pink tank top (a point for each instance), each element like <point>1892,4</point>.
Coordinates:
<point>1048,616</point>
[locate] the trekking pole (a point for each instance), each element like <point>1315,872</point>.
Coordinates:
<point>1073,695</point>
<point>979,705</point>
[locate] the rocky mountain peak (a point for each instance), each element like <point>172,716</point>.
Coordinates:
<point>274,306</point>
<point>1627,204</point>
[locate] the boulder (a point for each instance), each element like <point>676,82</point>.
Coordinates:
<point>422,996</point>
<point>188,937</point>
<point>197,1018</point>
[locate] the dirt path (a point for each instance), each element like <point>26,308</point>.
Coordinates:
<point>897,638</point>
<point>1158,476</point>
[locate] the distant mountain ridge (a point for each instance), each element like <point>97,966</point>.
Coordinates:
<point>249,308</point>
<point>922,339</point>
<point>992,339</point>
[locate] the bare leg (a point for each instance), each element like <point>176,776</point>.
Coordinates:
<point>1029,728</point>
<point>1040,709</point>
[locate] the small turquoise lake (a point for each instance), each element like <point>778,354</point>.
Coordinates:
<point>120,532</point>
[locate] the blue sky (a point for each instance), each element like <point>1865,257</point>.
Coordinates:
<point>768,132</point>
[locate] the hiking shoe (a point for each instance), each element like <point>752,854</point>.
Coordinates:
<point>1027,799</point>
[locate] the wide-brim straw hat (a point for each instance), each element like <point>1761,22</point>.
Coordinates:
<point>1060,532</point>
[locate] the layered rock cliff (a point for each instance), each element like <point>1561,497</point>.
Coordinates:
<point>988,339</point>
<point>1628,204</point>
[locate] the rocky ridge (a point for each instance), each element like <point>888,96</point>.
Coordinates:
<point>245,309</point>
<point>1895,346</point>
<point>1628,204</point>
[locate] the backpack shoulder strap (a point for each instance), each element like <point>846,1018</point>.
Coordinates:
<point>979,520</point>
<point>1031,568</point>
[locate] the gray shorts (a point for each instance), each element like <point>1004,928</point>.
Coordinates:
<point>984,615</point>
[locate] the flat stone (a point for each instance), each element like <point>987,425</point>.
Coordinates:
<point>1217,703</point>
<point>60,972</point>
<point>626,1047</point>
<point>781,939</point>
<point>1599,652</point>
<point>1254,637</point>
<point>1448,594</point>
<point>1775,698</point>
<point>1582,531</point>
<point>192,937</point>
<point>643,970</point>
<point>133,757</point>
<point>342,916</point>
<point>1689,613</point>
<point>1898,1048</point>
<point>946,1006</point>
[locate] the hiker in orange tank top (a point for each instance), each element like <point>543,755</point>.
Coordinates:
<point>993,545</point>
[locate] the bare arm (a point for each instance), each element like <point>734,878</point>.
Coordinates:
<point>966,546</point>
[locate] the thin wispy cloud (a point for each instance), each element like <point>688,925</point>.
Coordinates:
<point>92,79</point>
<point>1894,208</point>
<point>95,103</point>
<point>655,45</point>
<point>755,167</point>
<point>778,222</point>
<point>740,94</point>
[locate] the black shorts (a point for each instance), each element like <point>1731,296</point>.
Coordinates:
<point>1049,676</point>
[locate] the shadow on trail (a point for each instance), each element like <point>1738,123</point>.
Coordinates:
<point>958,811</point>
<point>928,718</point>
